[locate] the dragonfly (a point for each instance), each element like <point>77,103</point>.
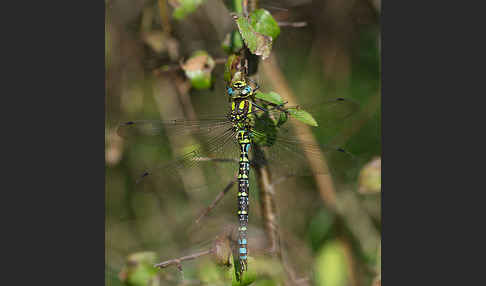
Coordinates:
<point>254,133</point>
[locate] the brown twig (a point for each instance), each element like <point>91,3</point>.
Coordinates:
<point>292,24</point>
<point>348,253</point>
<point>176,67</point>
<point>268,206</point>
<point>245,8</point>
<point>177,261</point>
<point>253,5</point>
<point>324,182</point>
<point>279,83</point>
<point>164,17</point>
<point>376,4</point>
<point>218,198</point>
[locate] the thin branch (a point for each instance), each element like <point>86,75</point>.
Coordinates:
<point>176,67</point>
<point>292,24</point>
<point>177,261</point>
<point>324,182</point>
<point>268,206</point>
<point>245,8</point>
<point>164,17</point>
<point>218,198</point>
<point>253,5</point>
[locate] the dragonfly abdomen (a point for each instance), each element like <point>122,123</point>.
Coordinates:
<point>243,203</point>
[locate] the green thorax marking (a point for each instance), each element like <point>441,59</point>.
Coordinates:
<point>241,117</point>
<point>240,94</point>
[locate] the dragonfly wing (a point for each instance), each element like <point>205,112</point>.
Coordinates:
<point>159,130</point>
<point>290,150</point>
<point>324,115</point>
<point>198,142</point>
<point>290,156</point>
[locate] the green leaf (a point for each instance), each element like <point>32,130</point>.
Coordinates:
<point>232,42</point>
<point>248,276</point>
<point>212,274</point>
<point>184,7</point>
<point>258,43</point>
<point>303,116</point>
<point>262,21</point>
<point>139,269</point>
<point>271,97</point>
<point>198,69</point>
<point>331,266</point>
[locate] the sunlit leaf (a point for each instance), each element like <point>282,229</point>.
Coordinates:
<point>331,266</point>
<point>258,43</point>
<point>271,97</point>
<point>262,21</point>
<point>303,116</point>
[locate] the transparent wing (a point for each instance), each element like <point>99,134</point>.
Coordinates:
<point>327,114</point>
<point>159,130</point>
<point>289,148</point>
<point>293,157</point>
<point>198,142</point>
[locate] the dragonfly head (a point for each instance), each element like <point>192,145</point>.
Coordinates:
<point>239,89</point>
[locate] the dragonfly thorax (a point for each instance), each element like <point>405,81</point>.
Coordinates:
<point>240,109</point>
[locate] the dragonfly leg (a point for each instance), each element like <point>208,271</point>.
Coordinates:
<point>259,107</point>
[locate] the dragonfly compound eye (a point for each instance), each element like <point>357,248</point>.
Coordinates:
<point>230,91</point>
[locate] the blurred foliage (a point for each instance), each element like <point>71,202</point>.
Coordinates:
<point>336,55</point>
<point>232,42</point>
<point>198,69</point>
<point>370,177</point>
<point>182,8</point>
<point>139,270</point>
<point>331,266</point>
